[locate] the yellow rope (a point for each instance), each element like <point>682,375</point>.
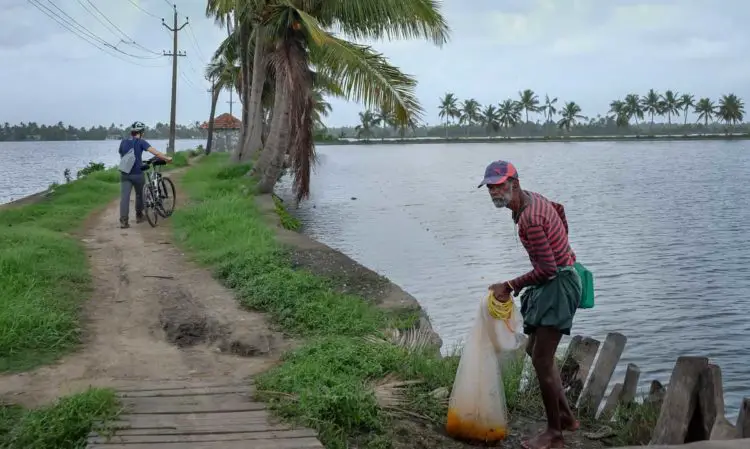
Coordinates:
<point>499,310</point>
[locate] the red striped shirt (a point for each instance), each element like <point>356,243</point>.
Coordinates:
<point>543,230</point>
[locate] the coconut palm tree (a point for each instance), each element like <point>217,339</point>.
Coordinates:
<point>367,122</point>
<point>289,37</point>
<point>705,109</point>
<point>509,114</point>
<point>469,113</point>
<point>731,109</point>
<point>490,119</point>
<point>619,113</point>
<point>448,110</point>
<point>651,104</point>
<point>633,107</point>
<point>687,101</point>
<point>569,114</point>
<point>321,107</point>
<point>670,104</point>
<point>385,119</point>
<point>223,75</point>
<point>529,102</point>
<point>548,109</point>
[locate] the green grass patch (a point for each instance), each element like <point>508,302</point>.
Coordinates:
<point>332,382</point>
<point>45,271</point>
<point>62,425</point>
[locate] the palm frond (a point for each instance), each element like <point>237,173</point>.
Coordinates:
<point>367,77</point>
<point>391,19</point>
<point>415,339</point>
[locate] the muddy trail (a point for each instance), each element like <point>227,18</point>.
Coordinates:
<point>152,316</point>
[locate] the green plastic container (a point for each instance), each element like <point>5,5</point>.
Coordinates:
<point>587,284</point>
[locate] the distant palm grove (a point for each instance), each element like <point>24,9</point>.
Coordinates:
<point>529,116</point>
<point>60,131</point>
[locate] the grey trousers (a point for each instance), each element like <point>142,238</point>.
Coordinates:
<point>127,183</point>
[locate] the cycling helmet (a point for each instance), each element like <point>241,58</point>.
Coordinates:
<point>137,127</point>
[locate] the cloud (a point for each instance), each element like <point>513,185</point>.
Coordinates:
<point>587,51</point>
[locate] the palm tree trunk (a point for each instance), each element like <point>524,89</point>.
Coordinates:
<point>686,113</point>
<point>214,99</point>
<point>244,91</point>
<point>270,162</point>
<point>254,138</point>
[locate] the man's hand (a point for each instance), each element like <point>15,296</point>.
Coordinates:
<point>501,291</point>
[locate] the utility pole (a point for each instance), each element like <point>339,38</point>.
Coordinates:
<point>174,54</point>
<point>231,90</point>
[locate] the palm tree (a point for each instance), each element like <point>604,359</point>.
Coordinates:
<point>321,109</point>
<point>687,101</point>
<point>529,102</point>
<point>290,38</point>
<point>731,109</point>
<point>619,113</point>
<point>223,75</point>
<point>448,109</point>
<point>385,118</point>
<point>469,113</point>
<point>651,104</point>
<point>633,107</point>
<point>509,114</point>
<point>548,108</point>
<point>705,109</point>
<point>490,119</point>
<point>670,104</point>
<point>367,121</point>
<point>570,114</point>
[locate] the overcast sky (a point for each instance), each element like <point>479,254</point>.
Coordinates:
<point>587,51</point>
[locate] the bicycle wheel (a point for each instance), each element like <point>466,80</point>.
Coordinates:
<point>150,206</point>
<point>168,197</point>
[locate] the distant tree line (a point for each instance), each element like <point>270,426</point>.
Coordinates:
<point>527,116</point>
<point>60,131</point>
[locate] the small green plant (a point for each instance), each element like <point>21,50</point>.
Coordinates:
<point>288,221</point>
<point>92,167</point>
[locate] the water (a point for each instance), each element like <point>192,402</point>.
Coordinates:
<point>30,167</point>
<point>662,225</point>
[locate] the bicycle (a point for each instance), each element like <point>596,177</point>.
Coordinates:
<point>157,191</point>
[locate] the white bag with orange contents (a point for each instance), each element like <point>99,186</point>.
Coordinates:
<point>477,410</point>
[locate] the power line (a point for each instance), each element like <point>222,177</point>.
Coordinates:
<point>129,40</point>
<point>95,41</point>
<point>195,41</point>
<point>132,2</point>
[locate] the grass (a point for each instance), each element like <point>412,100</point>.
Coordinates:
<point>334,382</point>
<point>45,274</point>
<point>62,425</point>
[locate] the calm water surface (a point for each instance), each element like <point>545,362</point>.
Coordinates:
<point>30,167</point>
<point>663,227</point>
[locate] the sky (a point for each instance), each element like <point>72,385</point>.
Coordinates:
<point>587,51</point>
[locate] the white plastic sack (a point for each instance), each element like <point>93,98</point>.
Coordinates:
<point>477,410</point>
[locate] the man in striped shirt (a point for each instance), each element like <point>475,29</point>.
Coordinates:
<point>551,290</point>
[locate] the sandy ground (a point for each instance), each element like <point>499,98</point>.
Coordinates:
<point>153,317</point>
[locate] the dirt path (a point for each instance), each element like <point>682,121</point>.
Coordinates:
<point>153,316</point>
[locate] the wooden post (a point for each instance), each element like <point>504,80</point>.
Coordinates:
<point>630,384</point>
<point>575,369</point>
<point>743,420</point>
<point>710,399</point>
<point>679,402</point>
<point>612,401</point>
<point>594,391</point>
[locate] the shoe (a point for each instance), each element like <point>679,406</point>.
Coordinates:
<point>124,223</point>
<point>139,219</point>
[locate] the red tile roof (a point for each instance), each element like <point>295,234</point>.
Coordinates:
<point>225,121</point>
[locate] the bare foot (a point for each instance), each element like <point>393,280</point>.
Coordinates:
<point>569,423</point>
<point>549,439</point>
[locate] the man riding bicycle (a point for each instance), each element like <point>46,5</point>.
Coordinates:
<point>131,174</point>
